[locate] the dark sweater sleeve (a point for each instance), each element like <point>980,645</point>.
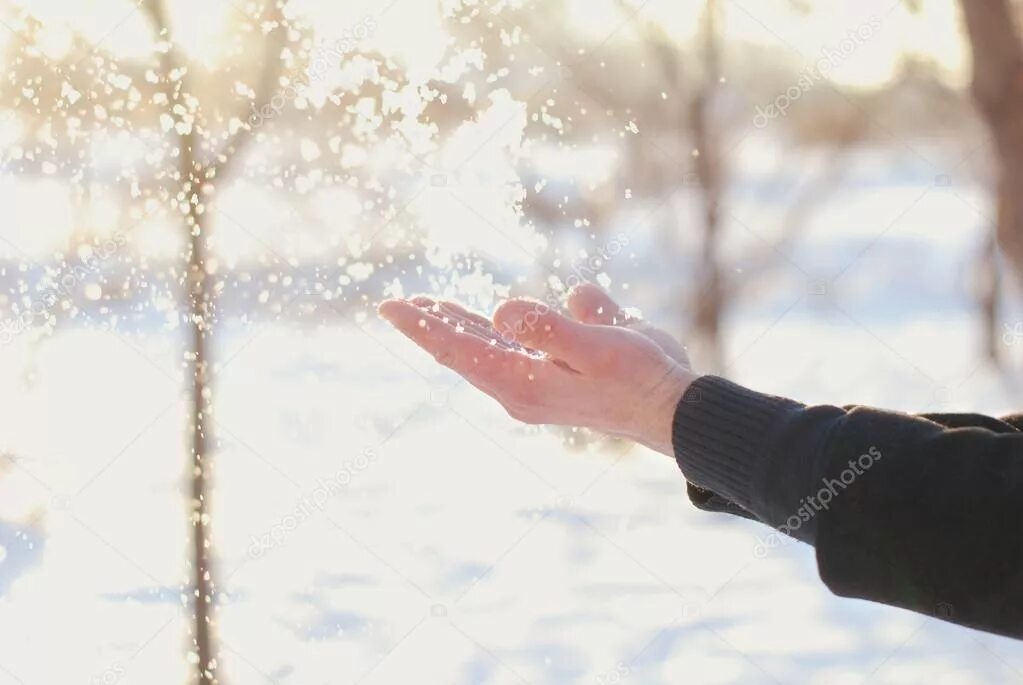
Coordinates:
<point>920,512</point>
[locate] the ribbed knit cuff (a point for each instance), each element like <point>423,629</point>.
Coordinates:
<point>721,434</point>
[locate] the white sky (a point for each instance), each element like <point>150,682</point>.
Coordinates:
<point>412,28</point>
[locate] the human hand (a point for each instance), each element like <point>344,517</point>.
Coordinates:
<point>603,369</point>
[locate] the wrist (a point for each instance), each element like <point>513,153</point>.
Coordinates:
<point>656,431</point>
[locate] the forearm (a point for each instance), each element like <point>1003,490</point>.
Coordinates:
<point>722,435</point>
<point>903,510</point>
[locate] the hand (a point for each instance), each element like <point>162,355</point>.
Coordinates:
<point>603,369</point>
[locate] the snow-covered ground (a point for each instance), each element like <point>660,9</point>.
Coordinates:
<point>378,521</point>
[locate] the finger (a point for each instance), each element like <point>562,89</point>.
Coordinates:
<point>590,304</point>
<point>463,319</point>
<point>460,311</point>
<point>469,355</point>
<point>535,325</point>
<point>452,308</point>
<point>514,379</point>
<point>668,344</point>
<point>474,323</point>
<point>423,301</point>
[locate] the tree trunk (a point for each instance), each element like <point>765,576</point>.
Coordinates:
<point>193,177</point>
<point>998,92</point>
<point>200,301</point>
<point>989,289</point>
<point>190,179</point>
<point>200,308</point>
<point>710,296</point>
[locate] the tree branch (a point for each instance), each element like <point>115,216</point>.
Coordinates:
<point>269,82</point>
<point>266,88</point>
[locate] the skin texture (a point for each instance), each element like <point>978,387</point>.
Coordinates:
<point>598,368</point>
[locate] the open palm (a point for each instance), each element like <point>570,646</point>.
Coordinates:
<point>599,368</point>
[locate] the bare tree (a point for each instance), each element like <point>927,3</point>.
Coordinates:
<point>989,288</point>
<point>998,93</point>
<point>696,122</point>
<point>193,187</point>
<point>708,304</point>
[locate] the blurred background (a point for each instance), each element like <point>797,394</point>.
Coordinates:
<point>219,466</point>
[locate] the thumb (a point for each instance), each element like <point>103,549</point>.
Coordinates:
<point>536,325</point>
<point>590,304</point>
